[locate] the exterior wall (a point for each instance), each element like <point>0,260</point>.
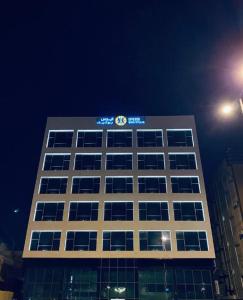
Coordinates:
<point>178,122</point>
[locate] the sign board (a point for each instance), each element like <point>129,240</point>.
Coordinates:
<point>120,121</point>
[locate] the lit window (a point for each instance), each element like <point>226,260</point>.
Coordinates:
<point>188,211</point>
<point>179,138</point>
<point>119,161</point>
<point>154,240</point>
<point>88,162</point>
<point>182,161</point>
<point>153,211</point>
<point>88,185</point>
<point>191,241</point>
<point>59,139</point>
<point>49,211</point>
<point>56,162</point>
<point>117,241</point>
<point>83,211</point>
<point>119,138</point>
<point>185,185</point>
<point>53,185</point>
<point>45,241</point>
<point>88,138</point>
<point>149,138</point>
<point>119,184</point>
<point>81,241</point>
<point>152,184</point>
<point>150,161</point>
<point>118,211</point>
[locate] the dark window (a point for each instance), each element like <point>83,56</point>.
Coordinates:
<point>119,161</point>
<point>89,139</point>
<point>88,162</point>
<point>60,139</point>
<point>152,184</point>
<point>150,138</point>
<point>56,162</point>
<point>153,211</point>
<point>150,161</point>
<point>191,241</point>
<point>45,241</point>
<point>119,184</point>
<point>185,185</point>
<point>51,185</point>
<point>188,211</point>
<point>179,138</point>
<point>46,211</point>
<point>83,211</point>
<point>115,211</point>
<point>154,240</point>
<point>119,139</point>
<point>182,161</point>
<point>118,241</point>
<point>89,185</point>
<point>81,241</point>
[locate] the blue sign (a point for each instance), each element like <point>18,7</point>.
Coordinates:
<point>136,120</point>
<point>120,120</point>
<point>105,121</point>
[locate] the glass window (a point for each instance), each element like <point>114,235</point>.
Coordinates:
<point>191,241</point>
<point>149,138</point>
<point>86,185</point>
<point>152,184</point>
<point>188,211</point>
<point>115,211</point>
<point>117,241</point>
<point>151,161</point>
<point>49,211</point>
<point>119,138</point>
<point>89,138</point>
<point>81,241</point>
<point>154,240</point>
<point>153,211</point>
<point>179,138</point>
<point>88,162</point>
<point>185,185</point>
<point>83,211</point>
<point>45,241</point>
<point>56,162</point>
<point>119,184</point>
<point>53,185</point>
<point>182,161</point>
<point>119,161</point>
<point>59,139</point>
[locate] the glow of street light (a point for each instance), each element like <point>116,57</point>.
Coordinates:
<point>164,238</point>
<point>227,109</point>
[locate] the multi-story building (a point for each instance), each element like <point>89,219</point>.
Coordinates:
<point>226,205</point>
<point>119,211</point>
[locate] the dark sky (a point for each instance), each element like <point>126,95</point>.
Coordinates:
<point>88,58</point>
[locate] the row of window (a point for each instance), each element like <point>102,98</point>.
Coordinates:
<point>120,161</point>
<point>119,211</point>
<point>117,184</point>
<point>119,241</point>
<point>120,138</point>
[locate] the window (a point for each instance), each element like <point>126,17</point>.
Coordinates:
<point>118,211</point>
<point>83,211</point>
<point>57,139</point>
<point>179,138</point>
<point>89,138</point>
<point>153,211</point>
<point>88,185</point>
<point>119,161</point>
<point>182,161</point>
<point>188,211</point>
<point>45,241</point>
<point>119,184</point>
<point>81,241</point>
<point>88,162</point>
<point>117,241</point>
<point>185,185</point>
<point>119,138</point>
<point>149,138</point>
<point>154,240</point>
<point>56,162</point>
<point>53,185</point>
<point>191,241</point>
<point>151,161</point>
<point>49,211</point>
<point>152,184</point>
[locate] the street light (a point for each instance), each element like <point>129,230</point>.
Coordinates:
<point>228,109</point>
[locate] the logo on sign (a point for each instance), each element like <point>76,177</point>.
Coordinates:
<point>120,120</point>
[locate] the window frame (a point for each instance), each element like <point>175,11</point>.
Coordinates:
<point>192,201</point>
<point>61,177</point>
<point>154,201</point>
<point>77,201</point>
<point>124,153</point>
<point>52,201</point>
<point>183,153</point>
<point>44,230</point>
<point>119,177</point>
<point>83,251</point>
<point>54,154</point>
<point>78,153</point>
<point>193,231</point>
<point>156,230</point>
<point>75,177</point>
<point>118,230</point>
<point>88,130</point>
<point>166,185</point>
<point>58,130</point>
<point>180,129</point>
<point>186,176</point>
<point>118,130</point>
<point>120,201</point>
<point>148,129</point>
<point>151,153</point>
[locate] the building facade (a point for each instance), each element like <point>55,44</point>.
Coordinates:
<point>119,211</point>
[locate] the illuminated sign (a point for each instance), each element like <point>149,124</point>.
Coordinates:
<point>120,120</point>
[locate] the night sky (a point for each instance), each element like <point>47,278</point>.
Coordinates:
<point>94,58</point>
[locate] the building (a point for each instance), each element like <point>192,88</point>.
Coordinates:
<point>119,211</point>
<point>226,206</point>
